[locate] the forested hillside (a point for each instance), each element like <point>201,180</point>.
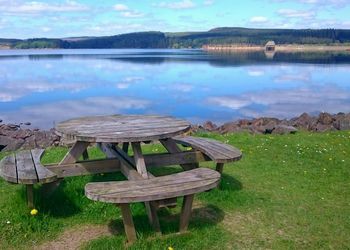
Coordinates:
<point>191,39</point>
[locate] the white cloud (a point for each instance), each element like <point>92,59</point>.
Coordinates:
<point>291,13</point>
<point>13,91</point>
<point>322,3</point>
<point>132,14</point>
<point>256,72</point>
<point>259,19</point>
<point>287,103</point>
<point>121,7</point>
<point>184,4</point>
<point>39,7</point>
<point>182,87</point>
<point>45,115</point>
<point>46,29</point>
<point>125,11</point>
<point>127,81</point>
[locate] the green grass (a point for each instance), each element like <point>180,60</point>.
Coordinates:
<point>288,192</point>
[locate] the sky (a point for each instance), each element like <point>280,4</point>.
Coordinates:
<point>68,18</point>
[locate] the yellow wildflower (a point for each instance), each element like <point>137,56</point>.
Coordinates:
<point>170,248</point>
<point>34,212</point>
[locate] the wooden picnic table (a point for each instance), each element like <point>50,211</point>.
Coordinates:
<point>114,135</point>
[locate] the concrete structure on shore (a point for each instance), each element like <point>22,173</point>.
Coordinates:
<point>270,46</point>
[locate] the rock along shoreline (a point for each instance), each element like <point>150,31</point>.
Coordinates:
<point>14,136</point>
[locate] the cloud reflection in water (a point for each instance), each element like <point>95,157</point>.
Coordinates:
<point>187,84</point>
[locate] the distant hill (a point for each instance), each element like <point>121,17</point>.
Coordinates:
<point>223,35</point>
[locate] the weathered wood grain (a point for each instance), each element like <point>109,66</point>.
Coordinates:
<point>122,128</point>
<point>25,168</point>
<point>128,222</point>
<point>180,184</point>
<point>8,169</point>
<point>139,160</point>
<point>75,152</point>
<point>217,151</point>
<point>171,146</point>
<point>85,168</point>
<point>128,169</point>
<point>44,174</point>
<point>186,212</point>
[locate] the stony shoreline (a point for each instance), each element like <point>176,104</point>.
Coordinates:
<point>15,136</point>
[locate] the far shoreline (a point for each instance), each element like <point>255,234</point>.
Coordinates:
<point>288,48</point>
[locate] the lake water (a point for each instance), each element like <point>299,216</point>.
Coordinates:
<point>48,86</point>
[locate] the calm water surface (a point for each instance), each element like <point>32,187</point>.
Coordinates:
<point>48,86</point>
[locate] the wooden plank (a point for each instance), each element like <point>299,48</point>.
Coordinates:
<point>129,172</point>
<point>85,168</point>
<point>129,128</point>
<point>128,223</point>
<point>180,184</point>
<point>75,152</point>
<point>186,212</point>
<point>167,159</point>
<point>217,151</point>
<point>25,168</point>
<point>171,146</point>
<point>113,164</point>
<point>139,160</point>
<point>44,174</point>
<point>8,169</point>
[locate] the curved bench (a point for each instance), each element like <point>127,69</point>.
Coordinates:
<point>24,167</point>
<point>184,184</point>
<point>218,152</point>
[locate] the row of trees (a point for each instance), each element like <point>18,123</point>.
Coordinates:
<point>194,39</point>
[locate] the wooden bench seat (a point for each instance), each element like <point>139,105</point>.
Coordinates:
<point>184,184</point>
<point>24,167</point>
<point>217,151</point>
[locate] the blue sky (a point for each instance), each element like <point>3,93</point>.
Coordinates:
<point>64,18</point>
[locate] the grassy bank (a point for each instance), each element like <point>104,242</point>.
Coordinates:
<point>289,191</point>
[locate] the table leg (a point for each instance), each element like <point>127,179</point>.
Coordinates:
<point>72,156</point>
<point>128,222</point>
<point>219,167</point>
<point>75,152</point>
<point>85,155</point>
<point>139,160</point>
<point>172,147</point>
<point>186,212</point>
<point>142,170</point>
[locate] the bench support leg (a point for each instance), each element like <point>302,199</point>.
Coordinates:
<point>30,196</point>
<point>128,223</point>
<point>220,167</point>
<point>172,148</point>
<point>49,188</point>
<point>85,155</point>
<point>186,212</point>
<point>154,220</point>
<point>126,147</point>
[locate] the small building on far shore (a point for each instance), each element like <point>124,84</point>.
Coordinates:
<point>270,46</point>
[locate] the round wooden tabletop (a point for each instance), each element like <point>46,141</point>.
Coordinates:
<point>122,128</point>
